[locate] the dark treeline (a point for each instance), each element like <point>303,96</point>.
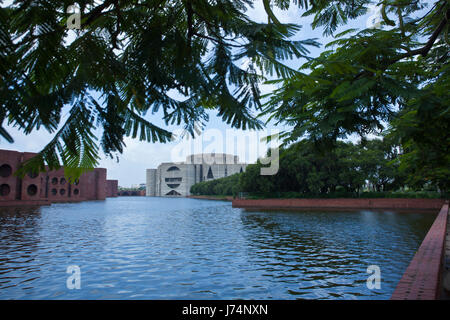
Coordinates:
<point>228,186</point>
<point>368,168</point>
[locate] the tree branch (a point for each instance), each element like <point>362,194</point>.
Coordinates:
<point>97,12</point>
<point>425,49</point>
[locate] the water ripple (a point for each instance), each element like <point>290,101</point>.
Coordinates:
<point>157,248</point>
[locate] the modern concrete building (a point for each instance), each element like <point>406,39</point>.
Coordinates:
<point>172,179</point>
<point>50,186</point>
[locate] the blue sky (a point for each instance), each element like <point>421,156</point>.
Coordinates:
<point>138,156</point>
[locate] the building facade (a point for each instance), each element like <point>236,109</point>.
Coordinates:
<point>50,186</point>
<point>172,179</point>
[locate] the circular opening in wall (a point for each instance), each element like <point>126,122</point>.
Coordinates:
<point>4,190</point>
<point>76,182</point>
<point>54,192</point>
<point>32,190</point>
<point>76,192</point>
<point>62,181</point>
<point>32,174</point>
<point>5,170</point>
<point>55,180</point>
<point>62,192</point>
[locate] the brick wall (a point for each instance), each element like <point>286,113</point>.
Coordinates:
<point>46,187</point>
<point>112,187</point>
<point>421,280</point>
<point>422,204</point>
<point>10,186</point>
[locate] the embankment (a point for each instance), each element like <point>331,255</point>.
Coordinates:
<point>380,203</point>
<point>421,280</point>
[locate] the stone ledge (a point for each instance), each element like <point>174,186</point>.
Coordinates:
<point>26,203</point>
<point>344,203</point>
<point>421,280</point>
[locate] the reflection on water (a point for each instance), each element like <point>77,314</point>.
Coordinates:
<point>159,248</point>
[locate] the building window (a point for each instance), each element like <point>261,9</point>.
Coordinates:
<point>173,186</point>
<point>226,171</point>
<point>32,174</point>
<point>173,168</point>
<point>240,170</point>
<point>76,192</point>
<point>32,190</point>
<point>4,190</point>
<point>62,181</point>
<point>62,192</point>
<point>5,170</point>
<point>174,179</point>
<point>55,180</point>
<point>173,193</point>
<point>210,174</point>
<point>54,192</point>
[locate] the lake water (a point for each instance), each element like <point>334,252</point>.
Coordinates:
<point>160,248</point>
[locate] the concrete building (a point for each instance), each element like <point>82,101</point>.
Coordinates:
<point>51,186</point>
<point>172,179</point>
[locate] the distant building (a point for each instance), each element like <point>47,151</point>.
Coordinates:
<point>132,192</point>
<point>172,179</point>
<point>50,186</point>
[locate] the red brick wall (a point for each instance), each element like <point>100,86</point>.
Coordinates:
<point>57,189</point>
<point>100,176</point>
<point>421,279</point>
<point>10,186</point>
<point>112,187</point>
<point>87,186</point>
<point>92,184</point>
<point>50,186</point>
<point>340,203</point>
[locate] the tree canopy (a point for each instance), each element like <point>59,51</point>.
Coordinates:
<point>124,62</point>
<point>393,78</point>
<point>129,55</point>
<point>348,168</point>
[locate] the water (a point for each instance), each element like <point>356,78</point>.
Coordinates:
<point>159,248</point>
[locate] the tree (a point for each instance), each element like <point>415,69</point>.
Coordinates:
<point>379,160</point>
<point>307,170</point>
<point>227,186</point>
<point>395,78</point>
<point>124,62</point>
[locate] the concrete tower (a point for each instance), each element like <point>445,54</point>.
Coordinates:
<point>151,182</point>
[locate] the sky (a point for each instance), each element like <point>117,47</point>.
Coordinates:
<point>218,136</point>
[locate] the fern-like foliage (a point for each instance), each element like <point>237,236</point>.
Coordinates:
<point>118,70</point>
